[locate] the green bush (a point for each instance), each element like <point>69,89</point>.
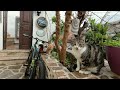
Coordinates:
<point>96,34</point>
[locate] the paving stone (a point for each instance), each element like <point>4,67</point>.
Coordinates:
<point>115,77</point>
<point>4,68</point>
<point>1,71</point>
<point>24,67</point>
<point>60,64</point>
<point>71,76</point>
<point>16,76</point>
<point>63,77</point>
<point>1,67</point>
<point>15,67</point>
<point>66,70</point>
<point>22,70</point>
<point>92,77</point>
<point>22,77</point>
<point>56,68</point>
<point>52,64</point>
<point>15,70</point>
<point>104,77</point>
<point>79,75</point>
<point>2,64</point>
<point>60,73</point>
<point>5,74</point>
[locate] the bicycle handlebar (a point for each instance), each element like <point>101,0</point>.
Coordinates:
<point>34,38</point>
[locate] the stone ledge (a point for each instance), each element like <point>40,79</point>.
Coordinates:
<point>56,70</point>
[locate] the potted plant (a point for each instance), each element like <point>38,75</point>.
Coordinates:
<point>113,53</point>
<point>95,37</point>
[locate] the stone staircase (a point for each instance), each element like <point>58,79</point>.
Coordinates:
<point>13,56</point>
<point>10,40</point>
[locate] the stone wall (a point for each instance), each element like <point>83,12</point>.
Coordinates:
<point>56,70</point>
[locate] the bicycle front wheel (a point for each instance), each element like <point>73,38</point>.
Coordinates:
<point>28,62</point>
<point>40,70</point>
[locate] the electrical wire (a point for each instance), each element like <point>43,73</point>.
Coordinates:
<point>113,15</point>
<point>104,20</point>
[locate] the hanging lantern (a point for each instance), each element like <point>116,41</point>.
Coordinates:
<point>38,13</point>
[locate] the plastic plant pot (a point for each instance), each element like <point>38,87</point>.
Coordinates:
<point>113,57</point>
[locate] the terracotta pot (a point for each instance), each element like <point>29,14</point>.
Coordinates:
<point>113,57</point>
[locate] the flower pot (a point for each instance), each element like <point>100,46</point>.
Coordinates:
<point>113,57</point>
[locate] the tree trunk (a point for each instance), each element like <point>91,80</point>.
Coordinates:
<point>81,17</point>
<point>57,32</point>
<point>65,37</point>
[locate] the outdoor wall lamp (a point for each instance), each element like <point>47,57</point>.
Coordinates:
<point>38,13</point>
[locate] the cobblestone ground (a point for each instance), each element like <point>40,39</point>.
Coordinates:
<point>12,71</point>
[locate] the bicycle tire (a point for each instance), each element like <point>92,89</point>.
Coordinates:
<point>29,62</point>
<point>30,73</point>
<point>40,70</point>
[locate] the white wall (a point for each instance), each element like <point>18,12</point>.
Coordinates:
<point>11,22</point>
<point>1,33</point>
<point>51,27</point>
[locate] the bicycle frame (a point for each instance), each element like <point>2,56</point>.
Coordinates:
<point>36,47</point>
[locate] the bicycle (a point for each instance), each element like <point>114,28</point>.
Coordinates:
<point>35,65</point>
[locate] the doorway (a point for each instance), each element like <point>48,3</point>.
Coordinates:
<point>16,23</point>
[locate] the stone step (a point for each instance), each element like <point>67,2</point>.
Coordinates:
<point>14,53</point>
<point>10,39</point>
<point>13,56</point>
<point>4,51</point>
<point>13,60</point>
<point>8,58</point>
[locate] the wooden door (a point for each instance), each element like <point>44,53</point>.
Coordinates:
<point>26,23</point>
<point>5,13</point>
